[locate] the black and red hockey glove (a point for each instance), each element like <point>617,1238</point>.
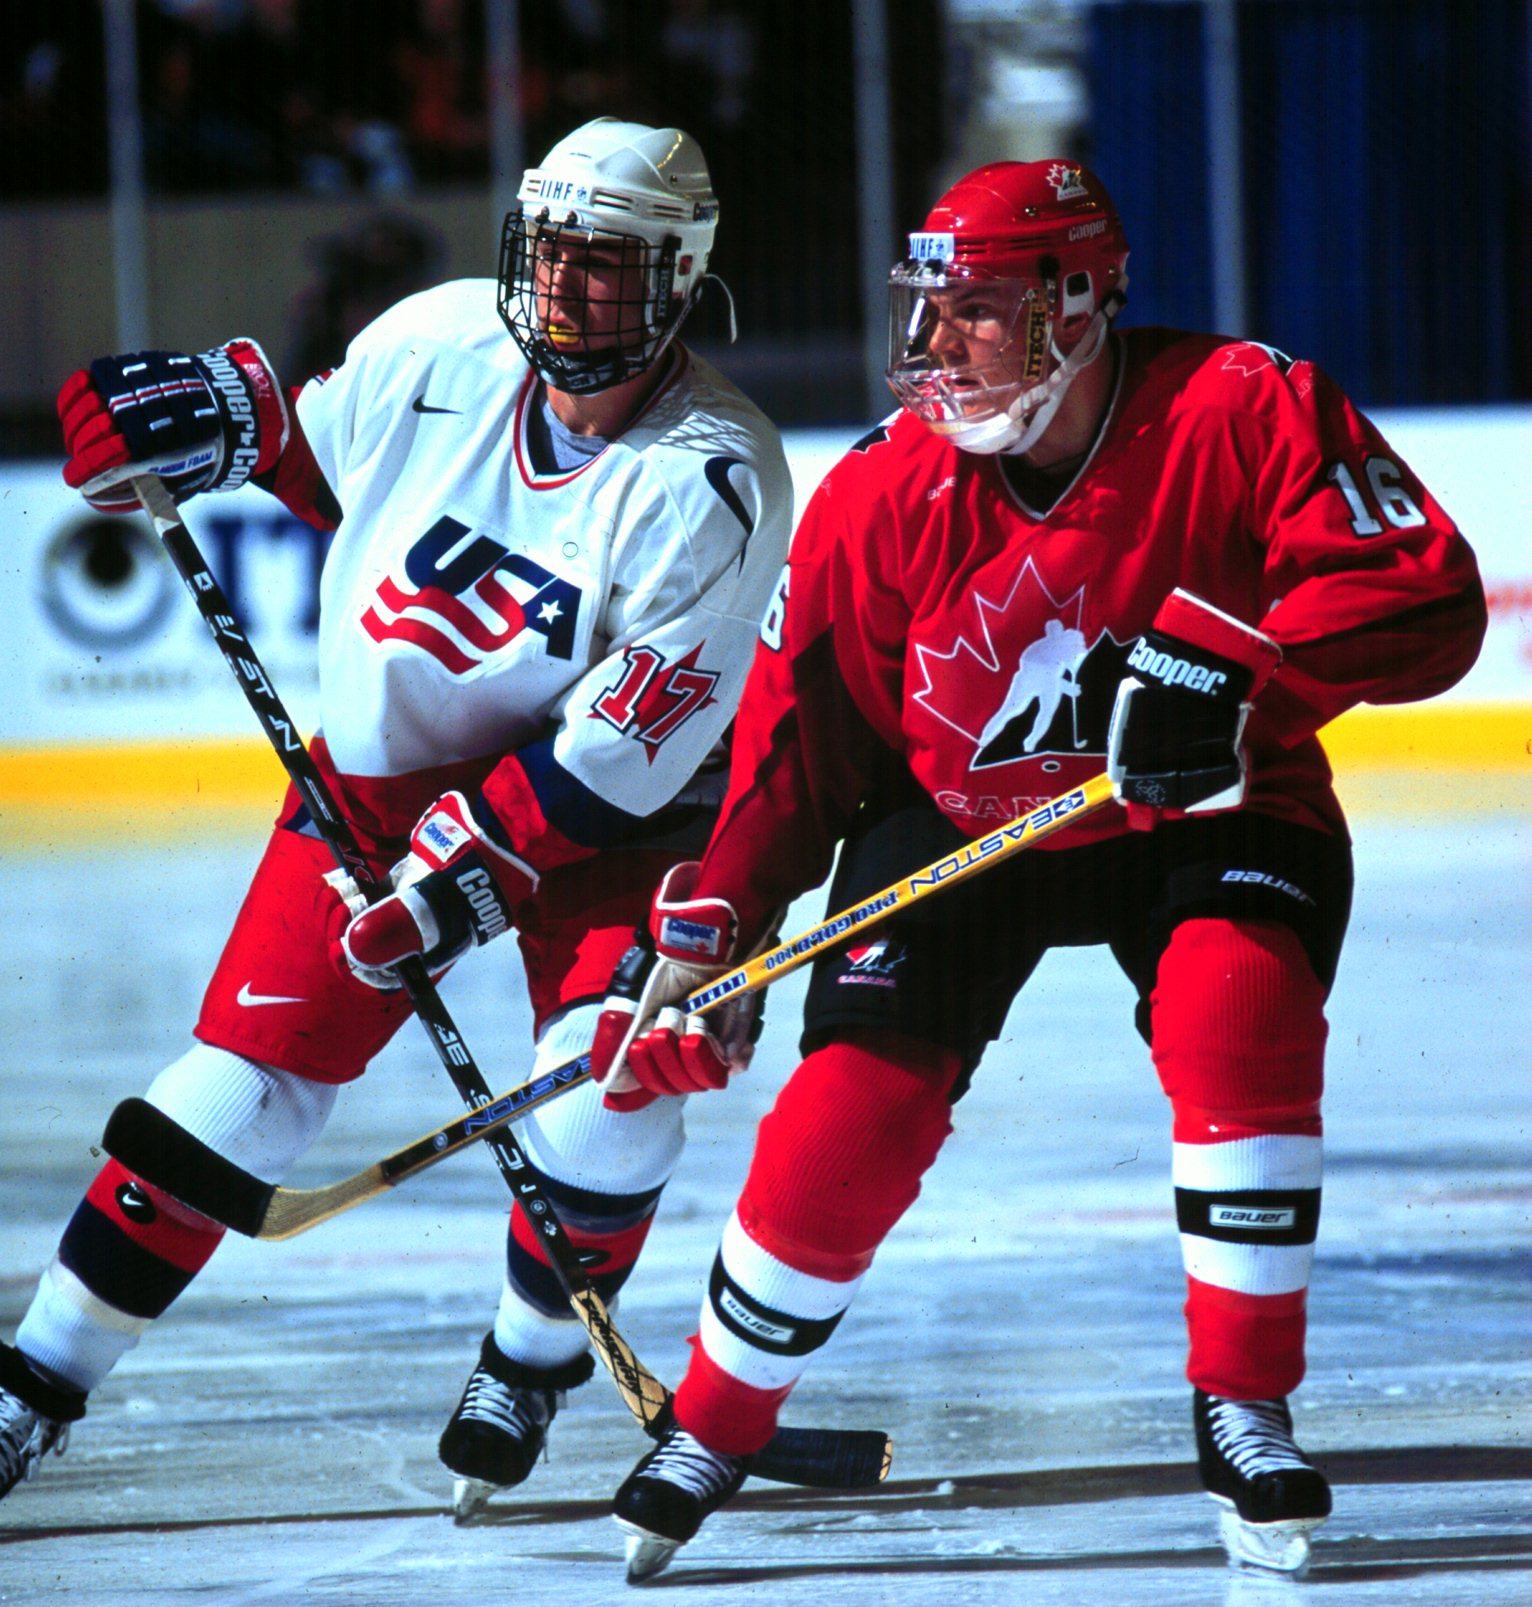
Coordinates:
<point>203,423</point>
<point>1174,745</point>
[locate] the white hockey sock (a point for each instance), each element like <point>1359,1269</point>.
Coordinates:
<point>69,1333</point>
<point>763,1320</point>
<point>578,1142</point>
<point>260,1118</point>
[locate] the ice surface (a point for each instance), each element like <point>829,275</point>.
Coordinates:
<point>273,1439</point>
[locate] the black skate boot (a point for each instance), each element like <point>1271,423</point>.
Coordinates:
<point>1272,1494</point>
<point>501,1424</point>
<point>662,1502</point>
<point>34,1418</point>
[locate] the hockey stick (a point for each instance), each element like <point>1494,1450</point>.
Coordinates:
<point>796,1456</point>
<point>151,1144</point>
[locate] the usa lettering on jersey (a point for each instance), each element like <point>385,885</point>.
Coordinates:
<point>453,605</point>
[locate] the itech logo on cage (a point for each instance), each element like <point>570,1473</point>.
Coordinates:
<point>932,247</point>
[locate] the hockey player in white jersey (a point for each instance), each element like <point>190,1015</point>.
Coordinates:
<point>555,533</point>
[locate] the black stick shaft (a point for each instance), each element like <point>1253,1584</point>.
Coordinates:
<point>332,825</point>
<point>636,1384</point>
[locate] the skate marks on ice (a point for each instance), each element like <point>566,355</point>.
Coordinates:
<point>1407,1519</point>
<point>1038,1269</point>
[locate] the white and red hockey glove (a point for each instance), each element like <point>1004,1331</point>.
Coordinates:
<point>645,1047</point>
<point>1174,745</point>
<point>203,423</point>
<point>455,890</point>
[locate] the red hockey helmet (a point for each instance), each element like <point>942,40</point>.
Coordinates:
<point>1028,261</point>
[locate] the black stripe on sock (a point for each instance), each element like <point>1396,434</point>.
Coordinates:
<point>1249,1216</point>
<point>126,1276</point>
<point>760,1325</point>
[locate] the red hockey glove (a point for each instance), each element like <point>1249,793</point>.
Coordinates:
<point>1174,743</point>
<point>455,890</point>
<point>646,1047</point>
<point>204,423</point>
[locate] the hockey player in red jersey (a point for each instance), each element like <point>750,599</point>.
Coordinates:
<point>556,531</point>
<point>1170,556</point>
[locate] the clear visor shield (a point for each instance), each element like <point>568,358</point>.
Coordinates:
<point>962,350</point>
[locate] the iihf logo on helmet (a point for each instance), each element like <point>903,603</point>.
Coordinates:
<point>1066,181</point>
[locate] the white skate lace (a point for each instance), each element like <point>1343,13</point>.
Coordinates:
<point>1254,1436</point>
<point>25,1439</point>
<point>687,1462</point>
<point>513,1411</point>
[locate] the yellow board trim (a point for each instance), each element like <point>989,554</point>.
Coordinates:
<point>65,796</point>
<point>241,773</point>
<point>76,787</point>
<point>1432,736</point>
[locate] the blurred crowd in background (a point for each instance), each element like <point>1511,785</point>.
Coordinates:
<point>387,99</point>
<point>330,96</point>
<point>1382,146</point>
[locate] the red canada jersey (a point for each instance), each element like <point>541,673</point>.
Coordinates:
<point>931,622</point>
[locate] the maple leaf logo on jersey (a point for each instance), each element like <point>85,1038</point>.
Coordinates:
<point>1251,356</point>
<point>1024,698</point>
<point>453,604</point>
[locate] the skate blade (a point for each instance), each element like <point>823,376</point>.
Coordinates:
<point>648,1553</point>
<point>1267,1548</point>
<point>469,1498</point>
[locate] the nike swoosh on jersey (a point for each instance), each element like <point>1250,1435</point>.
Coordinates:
<point>421,405</point>
<point>717,471</point>
<point>246,997</point>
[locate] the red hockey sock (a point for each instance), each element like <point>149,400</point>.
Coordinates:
<point>1245,1347</point>
<point>839,1158</point>
<point>837,1162</point>
<point>132,1245</point>
<point>1239,1036</point>
<point>722,1411</point>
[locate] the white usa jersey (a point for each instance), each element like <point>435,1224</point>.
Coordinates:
<point>598,622</point>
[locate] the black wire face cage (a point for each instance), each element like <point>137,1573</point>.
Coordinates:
<point>589,309</point>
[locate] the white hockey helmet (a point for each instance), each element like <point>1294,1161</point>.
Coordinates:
<point>640,197</point>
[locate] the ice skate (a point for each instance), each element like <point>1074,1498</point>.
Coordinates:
<point>662,1502</point>
<point>1273,1497</point>
<point>34,1419</point>
<point>500,1427</point>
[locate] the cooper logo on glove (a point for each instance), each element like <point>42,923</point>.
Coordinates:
<point>441,834</point>
<point>690,937</point>
<point>1172,671</point>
